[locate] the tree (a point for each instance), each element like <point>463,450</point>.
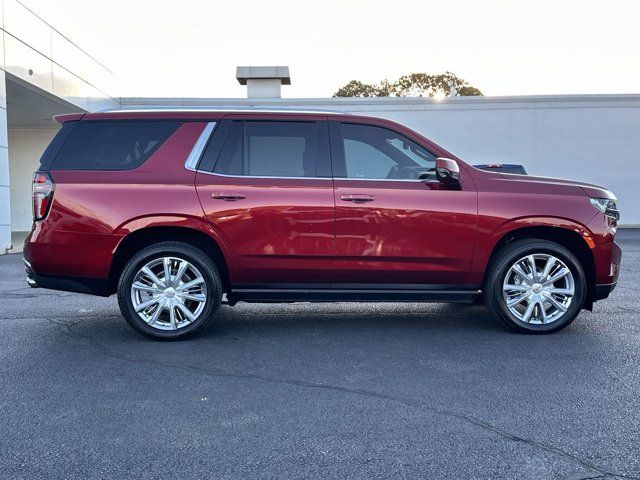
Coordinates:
<point>412,85</point>
<point>356,88</point>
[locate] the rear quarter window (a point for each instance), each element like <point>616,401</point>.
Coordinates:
<point>49,155</point>
<point>112,145</point>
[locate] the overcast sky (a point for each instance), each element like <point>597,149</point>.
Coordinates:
<point>190,48</point>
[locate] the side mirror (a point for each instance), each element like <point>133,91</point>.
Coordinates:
<point>448,173</point>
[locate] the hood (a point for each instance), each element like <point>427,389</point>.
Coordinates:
<point>589,189</point>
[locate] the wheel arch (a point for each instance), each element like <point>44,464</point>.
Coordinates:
<point>147,235</point>
<point>576,238</point>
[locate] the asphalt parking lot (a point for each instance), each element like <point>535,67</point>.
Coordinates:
<point>318,391</point>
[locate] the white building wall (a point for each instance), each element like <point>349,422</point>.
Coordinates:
<point>35,54</point>
<point>27,145</point>
<point>5,213</point>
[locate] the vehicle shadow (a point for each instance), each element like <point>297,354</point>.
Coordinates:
<point>436,318</point>
<point>275,322</point>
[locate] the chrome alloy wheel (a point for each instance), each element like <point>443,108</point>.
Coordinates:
<point>168,293</point>
<point>538,289</point>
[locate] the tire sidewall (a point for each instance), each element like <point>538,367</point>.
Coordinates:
<point>505,262</point>
<point>188,253</point>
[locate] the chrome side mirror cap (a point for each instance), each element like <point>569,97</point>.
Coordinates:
<point>448,173</point>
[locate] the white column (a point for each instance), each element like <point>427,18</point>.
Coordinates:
<point>5,208</point>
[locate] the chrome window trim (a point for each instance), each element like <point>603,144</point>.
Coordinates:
<point>262,176</point>
<point>381,179</point>
<point>198,147</point>
<point>315,178</point>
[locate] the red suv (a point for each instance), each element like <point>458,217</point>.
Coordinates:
<point>176,210</point>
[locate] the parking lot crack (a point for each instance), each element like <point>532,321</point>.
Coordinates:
<point>13,294</point>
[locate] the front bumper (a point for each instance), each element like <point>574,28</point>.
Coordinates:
<point>608,257</point>
<point>603,290</point>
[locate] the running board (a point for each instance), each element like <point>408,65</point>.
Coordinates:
<point>287,295</point>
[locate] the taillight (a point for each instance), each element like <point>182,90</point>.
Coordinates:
<point>42,192</point>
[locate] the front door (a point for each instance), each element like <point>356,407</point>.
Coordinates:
<point>268,194</point>
<point>394,224</point>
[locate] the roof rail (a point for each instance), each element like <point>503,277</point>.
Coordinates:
<point>222,109</point>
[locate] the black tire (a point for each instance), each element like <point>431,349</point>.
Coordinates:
<point>499,268</point>
<point>195,257</point>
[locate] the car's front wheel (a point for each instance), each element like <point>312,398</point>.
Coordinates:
<point>169,290</point>
<point>535,286</point>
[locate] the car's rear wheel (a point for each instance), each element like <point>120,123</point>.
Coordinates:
<point>535,286</point>
<point>169,291</point>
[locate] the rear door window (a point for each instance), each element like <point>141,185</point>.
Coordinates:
<point>269,149</point>
<point>112,145</point>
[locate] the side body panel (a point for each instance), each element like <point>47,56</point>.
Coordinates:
<point>408,234</point>
<point>280,232</point>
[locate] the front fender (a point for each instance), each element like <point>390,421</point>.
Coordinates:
<point>488,240</point>
<point>541,221</point>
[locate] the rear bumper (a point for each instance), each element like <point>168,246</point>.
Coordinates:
<point>72,261</point>
<point>603,290</point>
<point>92,286</point>
<point>69,261</point>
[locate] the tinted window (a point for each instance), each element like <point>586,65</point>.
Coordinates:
<point>49,155</point>
<point>112,145</point>
<point>378,153</point>
<point>269,149</point>
<point>230,161</point>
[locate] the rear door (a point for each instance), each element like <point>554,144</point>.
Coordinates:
<point>266,188</point>
<point>394,225</point>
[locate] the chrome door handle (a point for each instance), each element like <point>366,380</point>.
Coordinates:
<point>358,198</point>
<point>229,197</point>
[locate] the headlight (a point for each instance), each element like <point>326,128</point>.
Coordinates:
<point>606,206</point>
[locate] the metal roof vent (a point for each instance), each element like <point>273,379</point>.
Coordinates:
<point>263,82</point>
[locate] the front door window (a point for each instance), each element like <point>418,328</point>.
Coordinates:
<point>375,153</point>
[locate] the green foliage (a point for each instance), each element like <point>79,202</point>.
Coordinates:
<point>356,88</point>
<point>412,85</point>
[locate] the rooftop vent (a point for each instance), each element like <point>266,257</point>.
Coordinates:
<point>263,82</point>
